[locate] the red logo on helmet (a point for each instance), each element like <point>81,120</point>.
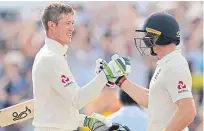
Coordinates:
<point>181,85</point>
<point>64,79</point>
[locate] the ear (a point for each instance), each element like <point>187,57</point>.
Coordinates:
<point>51,25</point>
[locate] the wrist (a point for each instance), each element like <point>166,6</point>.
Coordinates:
<point>120,81</point>
<point>82,119</point>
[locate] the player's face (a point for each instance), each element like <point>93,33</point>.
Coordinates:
<point>65,28</point>
<point>159,50</point>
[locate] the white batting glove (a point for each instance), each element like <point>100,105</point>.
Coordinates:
<point>100,65</point>
<point>115,69</point>
<point>97,122</point>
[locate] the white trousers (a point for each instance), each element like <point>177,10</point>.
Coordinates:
<point>49,129</point>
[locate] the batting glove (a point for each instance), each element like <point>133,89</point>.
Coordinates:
<point>115,70</point>
<point>97,122</point>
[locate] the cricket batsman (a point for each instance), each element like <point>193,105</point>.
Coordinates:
<point>57,97</point>
<point>169,98</point>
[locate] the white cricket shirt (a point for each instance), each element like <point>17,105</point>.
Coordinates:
<point>57,96</point>
<point>170,83</point>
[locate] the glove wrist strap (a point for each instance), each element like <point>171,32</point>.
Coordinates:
<point>120,81</point>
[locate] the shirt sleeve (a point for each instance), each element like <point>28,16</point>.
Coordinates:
<point>81,119</point>
<point>63,82</point>
<point>179,83</point>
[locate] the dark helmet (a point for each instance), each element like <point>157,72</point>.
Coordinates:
<point>159,29</point>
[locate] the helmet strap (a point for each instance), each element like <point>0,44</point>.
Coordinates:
<point>152,52</point>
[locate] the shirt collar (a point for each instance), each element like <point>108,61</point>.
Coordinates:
<point>56,46</point>
<point>168,57</point>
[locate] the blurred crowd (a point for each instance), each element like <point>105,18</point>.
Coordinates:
<point>101,30</point>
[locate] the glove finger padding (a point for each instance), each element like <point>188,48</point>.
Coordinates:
<point>114,57</point>
<point>123,63</point>
<point>99,126</point>
<point>128,65</point>
<point>100,63</point>
<point>103,119</point>
<point>116,68</point>
<point>97,122</point>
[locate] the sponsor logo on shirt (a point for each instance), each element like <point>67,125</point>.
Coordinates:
<point>182,87</point>
<point>65,80</point>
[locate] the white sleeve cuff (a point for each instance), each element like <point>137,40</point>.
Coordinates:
<point>81,119</point>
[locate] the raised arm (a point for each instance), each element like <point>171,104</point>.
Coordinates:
<point>64,84</point>
<point>138,93</point>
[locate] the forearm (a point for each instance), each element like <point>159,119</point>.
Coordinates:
<point>180,120</point>
<point>138,93</point>
<point>90,91</point>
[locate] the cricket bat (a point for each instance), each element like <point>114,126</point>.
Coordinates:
<point>17,113</point>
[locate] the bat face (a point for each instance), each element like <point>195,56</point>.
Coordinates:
<point>17,113</point>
